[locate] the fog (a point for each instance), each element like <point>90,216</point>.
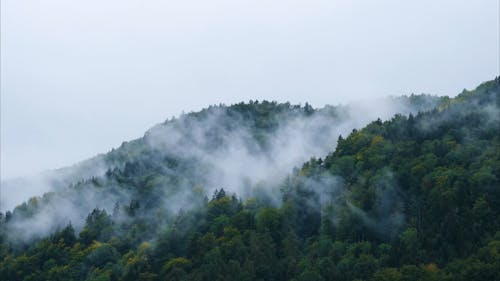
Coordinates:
<point>235,164</point>
<point>78,78</point>
<point>216,148</point>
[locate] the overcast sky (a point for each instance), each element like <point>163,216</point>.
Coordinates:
<point>80,77</point>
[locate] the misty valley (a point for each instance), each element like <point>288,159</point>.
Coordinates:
<point>400,188</point>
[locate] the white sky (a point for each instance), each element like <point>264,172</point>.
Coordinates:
<point>80,77</point>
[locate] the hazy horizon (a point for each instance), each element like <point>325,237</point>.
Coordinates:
<point>78,79</point>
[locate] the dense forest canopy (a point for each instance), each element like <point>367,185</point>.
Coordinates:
<point>213,195</point>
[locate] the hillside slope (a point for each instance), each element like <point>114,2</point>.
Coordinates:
<point>412,198</point>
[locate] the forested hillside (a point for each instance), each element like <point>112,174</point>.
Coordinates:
<point>213,195</point>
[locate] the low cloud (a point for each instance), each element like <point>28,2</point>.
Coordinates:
<point>223,148</point>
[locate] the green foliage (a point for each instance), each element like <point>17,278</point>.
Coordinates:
<point>411,198</point>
